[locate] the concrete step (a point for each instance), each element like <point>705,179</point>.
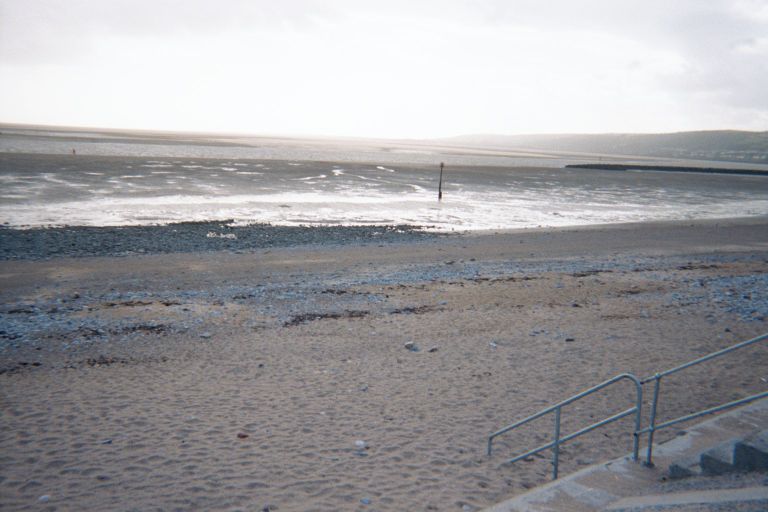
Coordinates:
<point>719,460</point>
<point>685,468</point>
<point>751,454</point>
<point>734,455</point>
<point>702,499</point>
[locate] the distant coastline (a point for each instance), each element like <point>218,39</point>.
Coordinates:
<point>667,168</point>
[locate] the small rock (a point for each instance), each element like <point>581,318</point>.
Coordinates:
<point>493,344</point>
<point>361,445</point>
<point>570,339</point>
<point>106,441</point>
<point>364,388</point>
<point>575,305</point>
<point>433,349</point>
<point>205,335</point>
<point>411,346</point>
<point>365,501</point>
<point>242,435</point>
<point>44,498</point>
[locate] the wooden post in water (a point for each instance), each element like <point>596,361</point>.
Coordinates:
<point>440,184</point>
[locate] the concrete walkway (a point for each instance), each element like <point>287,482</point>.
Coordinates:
<point>604,486</point>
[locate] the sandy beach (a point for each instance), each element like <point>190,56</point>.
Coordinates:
<point>279,378</point>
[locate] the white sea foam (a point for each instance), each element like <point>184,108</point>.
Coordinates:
<point>308,178</point>
<point>364,194</point>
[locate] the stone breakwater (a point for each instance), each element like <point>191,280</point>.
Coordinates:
<point>186,237</point>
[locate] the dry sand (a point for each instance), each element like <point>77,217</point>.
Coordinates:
<point>224,381</point>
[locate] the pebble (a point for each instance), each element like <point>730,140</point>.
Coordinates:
<point>433,349</point>
<point>361,445</point>
<point>205,335</point>
<point>411,346</point>
<point>44,498</point>
<point>365,501</point>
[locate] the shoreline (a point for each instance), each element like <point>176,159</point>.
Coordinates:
<point>40,243</point>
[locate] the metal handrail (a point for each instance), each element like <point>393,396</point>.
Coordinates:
<point>555,444</point>
<point>653,427</point>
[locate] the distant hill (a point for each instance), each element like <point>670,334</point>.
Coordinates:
<point>724,145</point>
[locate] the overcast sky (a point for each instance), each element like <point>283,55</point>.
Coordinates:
<point>386,69</point>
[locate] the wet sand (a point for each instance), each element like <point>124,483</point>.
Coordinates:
<point>224,381</point>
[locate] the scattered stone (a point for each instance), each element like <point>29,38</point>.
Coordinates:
<point>570,339</point>
<point>364,388</point>
<point>575,305</point>
<point>493,344</point>
<point>44,498</point>
<point>361,445</point>
<point>205,335</point>
<point>242,435</point>
<point>433,349</point>
<point>411,346</point>
<point>106,441</point>
<point>365,501</point>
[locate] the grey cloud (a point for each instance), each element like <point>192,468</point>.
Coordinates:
<point>51,31</point>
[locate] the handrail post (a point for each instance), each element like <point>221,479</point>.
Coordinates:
<point>652,421</point>
<point>638,420</point>
<point>556,447</point>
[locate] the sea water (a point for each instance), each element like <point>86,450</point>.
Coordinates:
<point>127,183</point>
